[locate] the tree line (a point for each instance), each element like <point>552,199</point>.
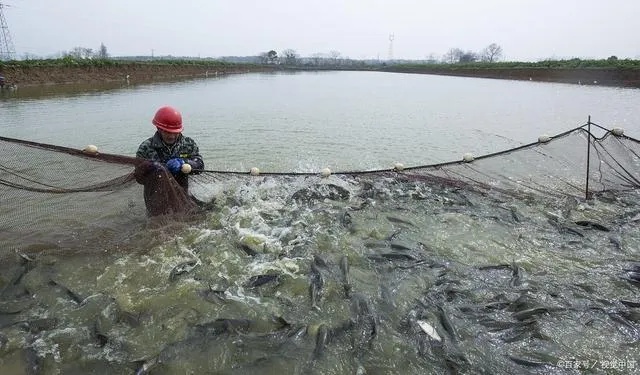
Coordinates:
<point>492,53</point>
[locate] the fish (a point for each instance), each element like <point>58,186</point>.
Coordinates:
<point>344,268</point>
<point>516,276</point>
<point>399,246</point>
<point>392,257</point>
<point>500,325</point>
<point>26,265</point>
<point>38,325</point>
<point>33,363</point>
<point>98,333</point>
<point>75,297</point>
<point>562,228</point>
<point>616,242</point>
<point>593,225</point>
<point>322,339</point>
<point>394,235</point>
<point>446,323</point>
<point>248,250</point>
<point>515,215</point>
<point>259,280</point>
<point>495,267</point>
<point>429,330</point>
<point>526,362</point>
<point>320,192</point>
<point>181,268</point>
<point>144,366</point>
<point>525,314</point>
<point>630,303</point>
<point>316,285</point>
<point>397,220</point>
<point>212,295</point>
<point>364,322</point>
<point>223,325</point>
<point>346,219</point>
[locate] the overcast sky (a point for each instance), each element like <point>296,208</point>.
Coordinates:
<point>527,30</point>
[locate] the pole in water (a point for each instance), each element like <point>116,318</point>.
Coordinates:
<point>586,189</point>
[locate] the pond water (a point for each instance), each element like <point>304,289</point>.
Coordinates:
<point>353,274</point>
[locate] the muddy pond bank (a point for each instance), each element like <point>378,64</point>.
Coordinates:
<point>40,74</point>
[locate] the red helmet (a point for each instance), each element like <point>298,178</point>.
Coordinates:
<point>168,119</point>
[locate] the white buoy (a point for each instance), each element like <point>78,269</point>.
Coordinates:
<point>325,172</point>
<point>544,138</point>
<point>186,168</point>
<point>90,149</point>
<point>468,157</point>
<point>254,171</point>
<point>398,167</point>
<point>617,131</point>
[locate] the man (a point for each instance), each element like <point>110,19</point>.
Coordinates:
<point>169,158</point>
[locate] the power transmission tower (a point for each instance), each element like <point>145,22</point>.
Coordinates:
<point>7,52</point>
<point>391,37</point>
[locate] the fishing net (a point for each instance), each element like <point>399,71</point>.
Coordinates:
<point>54,198</point>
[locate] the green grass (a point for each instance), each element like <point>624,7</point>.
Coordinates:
<point>546,64</point>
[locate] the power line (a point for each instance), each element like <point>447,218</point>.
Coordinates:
<point>7,51</point>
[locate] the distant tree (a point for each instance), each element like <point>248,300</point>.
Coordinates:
<point>80,53</point>
<point>468,57</point>
<point>272,56</point>
<point>612,58</point>
<point>264,57</point>
<point>452,56</point>
<point>432,58</point>
<point>317,58</point>
<point>334,56</point>
<point>102,52</point>
<point>491,53</point>
<point>290,56</point>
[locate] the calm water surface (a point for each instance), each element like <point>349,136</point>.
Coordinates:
<point>307,121</point>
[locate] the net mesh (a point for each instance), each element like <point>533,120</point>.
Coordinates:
<point>57,198</point>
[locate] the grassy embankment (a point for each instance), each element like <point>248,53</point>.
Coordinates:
<point>610,72</point>
<point>69,70</point>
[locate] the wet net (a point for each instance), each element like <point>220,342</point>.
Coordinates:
<point>54,198</point>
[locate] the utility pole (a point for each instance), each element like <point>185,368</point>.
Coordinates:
<point>7,52</point>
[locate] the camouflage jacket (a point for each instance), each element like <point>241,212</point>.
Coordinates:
<point>154,149</point>
<point>185,148</point>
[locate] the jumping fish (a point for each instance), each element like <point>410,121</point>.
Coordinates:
<point>212,295</point>
<point>316,284</point>
<point>38,325</point>
<point>344,268</point>
<point>516,275</point>
<point>259,280</point>
<point>346,219</point>
<point>322,339</point>
<point>397,220</point>
<point>525,314</point>
<point>446,323</point>
<point>364,322</point>
<point>591,224</point>
<point>182,267</point>
<point>71,294</point>
<point>219,326</point>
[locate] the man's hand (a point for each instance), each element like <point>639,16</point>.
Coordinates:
<point>174,165</point>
